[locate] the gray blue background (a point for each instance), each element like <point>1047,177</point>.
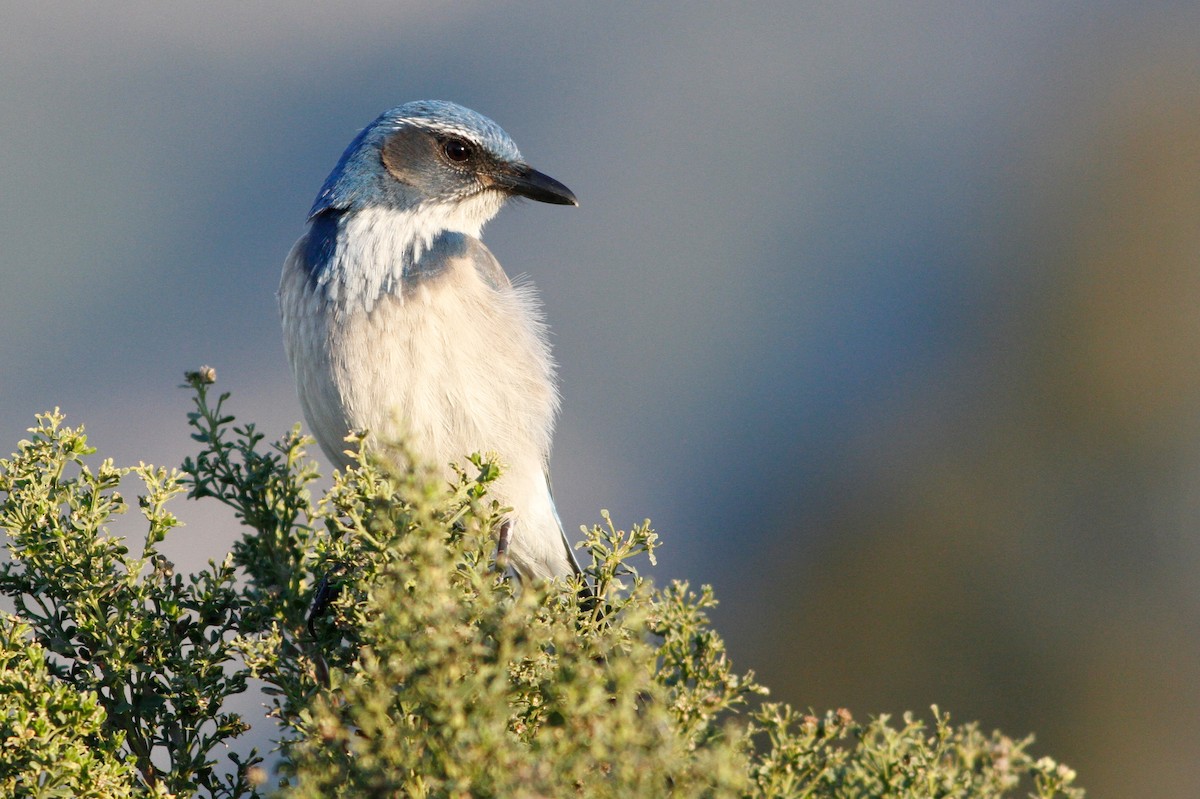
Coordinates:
<point>886,314</point>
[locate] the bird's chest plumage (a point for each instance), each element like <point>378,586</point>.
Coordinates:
<point>449,356</point>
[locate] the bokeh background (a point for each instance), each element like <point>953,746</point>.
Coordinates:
<point>886,314</point>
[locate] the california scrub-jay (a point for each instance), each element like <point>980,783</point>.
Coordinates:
<point>398,320</point>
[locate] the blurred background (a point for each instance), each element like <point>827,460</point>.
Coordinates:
<point>886,314</point>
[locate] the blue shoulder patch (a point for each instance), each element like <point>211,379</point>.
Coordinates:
<point>322,243</point>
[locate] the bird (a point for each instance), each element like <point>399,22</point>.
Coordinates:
<point>398,321</point>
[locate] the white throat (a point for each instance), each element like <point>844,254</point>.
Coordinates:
<point>379,248</point>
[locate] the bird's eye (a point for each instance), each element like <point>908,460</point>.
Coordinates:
<point>456,150</point>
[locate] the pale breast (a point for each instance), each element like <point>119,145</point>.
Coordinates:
<point>456,361</point>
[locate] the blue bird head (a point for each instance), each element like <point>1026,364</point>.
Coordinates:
<point>433,152</point>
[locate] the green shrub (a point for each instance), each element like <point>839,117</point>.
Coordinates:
<point>398,660</point>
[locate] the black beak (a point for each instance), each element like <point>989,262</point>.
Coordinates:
<point>524,180</point>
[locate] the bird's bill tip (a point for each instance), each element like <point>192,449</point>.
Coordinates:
<point>525,181</point>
